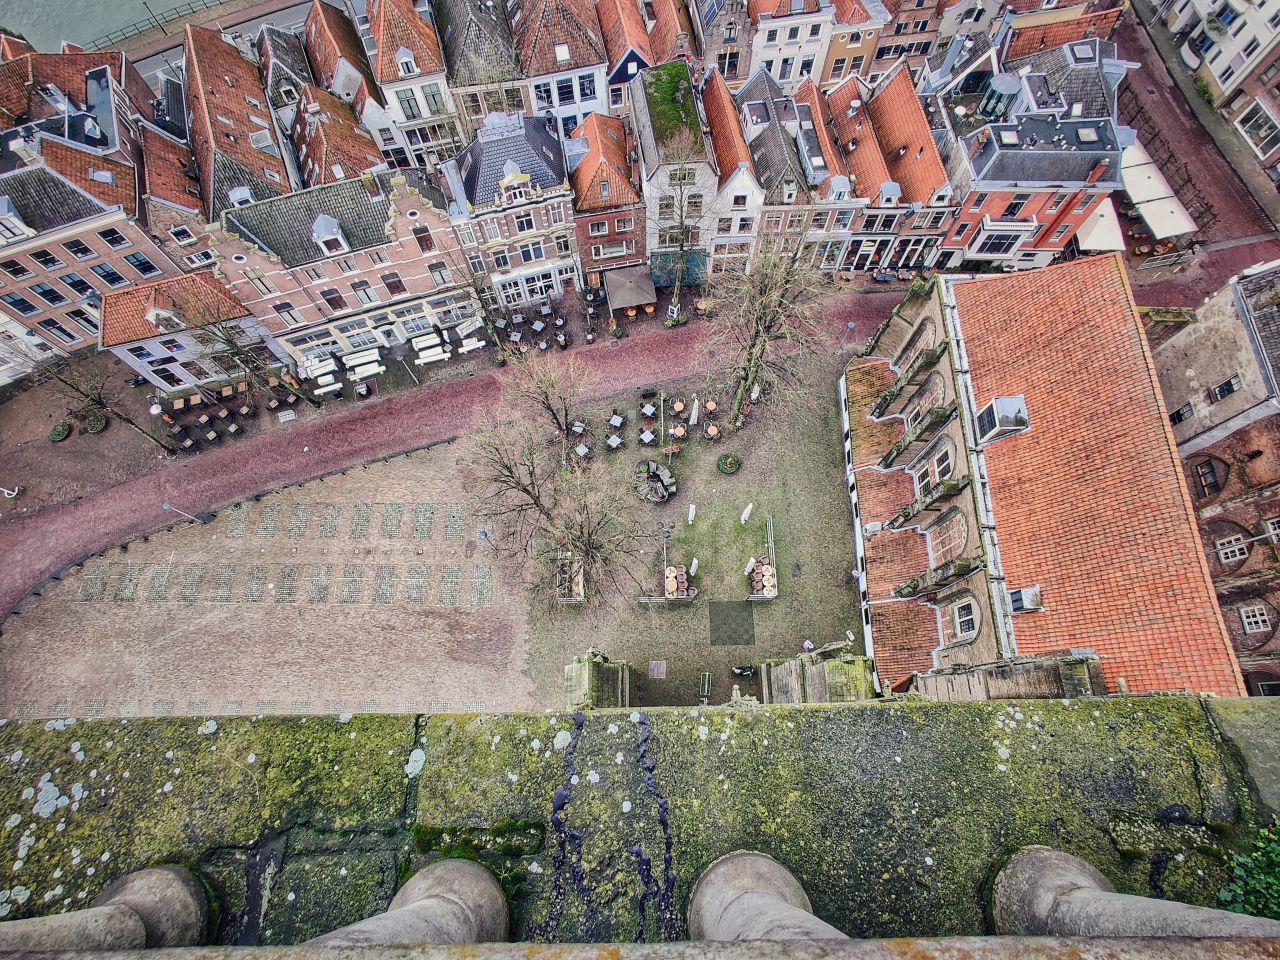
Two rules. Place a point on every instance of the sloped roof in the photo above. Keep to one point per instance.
(195, 299)
(12, 47)
(773, 152)
(117, 188)
(22, 77)
(395, 26)
(808, 93)
(221, 122)
(604, 162)
(327, 134)
(284, 60)
(865, 161)
(905, 138)
(727, 141)
(46, 201)
(507, 139)
(1033, 154)
(665, 115)
(778, 8)
(671, 25)
(1028, 40)
(478, 45)
(361, 207)
(542, 26)
(851, 13)
(1121, 570)
(164, 160)
(1081, 82)
(330, 36)
(623, 31)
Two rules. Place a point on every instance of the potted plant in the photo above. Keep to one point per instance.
(95, 422)
(729, 463)
(61, 430)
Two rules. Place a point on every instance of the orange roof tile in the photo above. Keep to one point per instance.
(1028, 40)
(1090, 502)
(672, 32)
(850, 12)
(21, 77)
(396, 26)
(196, 299)
(163, 162)
(542, 25)
(605, 162)
(623, 30)
(727, 141)
(327, 134)
(808, 93)
(330, 37)
(78, 166)
(905, 137)
(865, 161)
(777, 8)
(12, 47)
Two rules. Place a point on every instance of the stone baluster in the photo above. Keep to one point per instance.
(750, 896)
(452, 901)
(157, 907)
(1044, 892)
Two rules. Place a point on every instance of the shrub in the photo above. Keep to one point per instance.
(1254, 887)
(729, 463)
(96, 422)
(61, 430)
(1203, 88)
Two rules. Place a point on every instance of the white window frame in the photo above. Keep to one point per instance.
(1230, 549)
(1255, 619)
(957, 618)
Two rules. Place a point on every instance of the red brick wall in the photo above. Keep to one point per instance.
(1038, 207)
(582, 230)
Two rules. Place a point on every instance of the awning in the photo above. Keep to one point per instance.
(1151, 194)
(1101, 231)
(629, 287)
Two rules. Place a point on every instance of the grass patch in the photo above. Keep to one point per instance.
(669, 96)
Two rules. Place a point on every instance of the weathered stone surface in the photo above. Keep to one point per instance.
(170, 901)
(1253, 728)
(746, 895)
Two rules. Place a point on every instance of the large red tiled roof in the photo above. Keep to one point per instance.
(905, 138)
(1028, 40)
(542, 25)
(671, 26)
(12, 47)
(331, 136)
(395, 26)
(605, 162)
(850, 12)
(623, 30)
(21, 77)
(865, 161)
(163, 162)
(1090, 502)
(330, 37)
(727, 141)
(776, 8)
(116, 181)
(196, 299)
(809, 94)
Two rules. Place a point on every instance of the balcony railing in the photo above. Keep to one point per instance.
(931, 501)
(920, 433)
(938, 577)
(915, 374)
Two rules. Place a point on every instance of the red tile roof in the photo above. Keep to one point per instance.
(542, 25)
(623, 30)
(672, 32)
(727, 141)
(808, 93)
(326, 134)
(79, 166)
(396, 26)
(776, 8)
(605, 162)
(221, 120)
(12, 47)
(329, 38)
(196, 299)
(905, 137)
(1090, 502)
(163, 162)
(20, 77)
(851, 12)
(865, 162)
(1028, 40)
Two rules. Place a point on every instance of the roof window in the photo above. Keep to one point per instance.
(1002, 417)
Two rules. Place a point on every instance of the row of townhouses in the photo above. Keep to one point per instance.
(392, 167)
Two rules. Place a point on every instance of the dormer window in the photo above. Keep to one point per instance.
(1002, 417)
(788, 193)
(562, 53)
(327, 232)
(12, 229)
(288, 93)
(240, 196)
(604, 189)
(165, 321)
(408, 66)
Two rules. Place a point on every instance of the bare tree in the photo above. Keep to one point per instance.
(683, 220)
(79, 381)
(542, 511)
(763, 322)
(241, 353)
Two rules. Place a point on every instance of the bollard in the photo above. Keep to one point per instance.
(452, 901)
(1044, 892)
(750, 896)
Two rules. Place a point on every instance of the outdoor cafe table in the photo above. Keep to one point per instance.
(614, 441)
(582, 449)
(538, 326)
(543, 344)
(515, 336)
(544, 310)
(646, 437)
(678, 431)
(616, 421)
(678, 407)
(648, 410)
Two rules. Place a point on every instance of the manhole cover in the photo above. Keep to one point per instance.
(732, 623)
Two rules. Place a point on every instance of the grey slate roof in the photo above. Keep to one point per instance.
(45, 201)
(773, 152)
(477, 43)
(283, 223)
(1046, 152)
(288, 59)
(1262, 294)
(972, 46)
(504, 139)
(1084, 83)
(226, 174)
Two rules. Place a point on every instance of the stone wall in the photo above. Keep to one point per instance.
(894, 816)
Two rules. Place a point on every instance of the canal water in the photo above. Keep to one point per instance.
(48, 22)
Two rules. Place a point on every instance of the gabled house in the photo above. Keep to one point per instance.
(733, 218)
(791, 39)
(512, 207)
(626, 41)
(485, 75)
(359, 265)
(1078, 80)
(982, 570)
(608, 209)
(330, 143)
(722, 36)
(562, 52)
(282, 59)
(233, 137)
(671, 33)
(853, 40)
(156, 328)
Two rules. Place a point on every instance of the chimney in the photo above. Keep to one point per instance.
(1099, 169)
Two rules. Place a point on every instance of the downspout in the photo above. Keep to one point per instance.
(859, 547)
(1003, 614)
